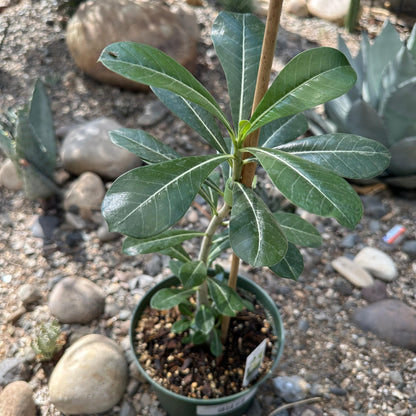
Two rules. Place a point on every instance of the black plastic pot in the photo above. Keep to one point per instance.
(233, 405)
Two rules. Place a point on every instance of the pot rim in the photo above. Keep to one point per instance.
(277, 324)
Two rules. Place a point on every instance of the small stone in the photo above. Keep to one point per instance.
(88, 148)
(331, 10)
(395, 377)
(127, 409)
(306, 410)
(91, 376)
(87, 192)
(298, 8)
(375, 292)
(153, 113)
(9, 177)
(16, 399)
(409, 247)
(13, 369)
(377, 263)
(303, 325)
(76, 300)
(391, 320)
(16, 314)
(154, 265)
(44, 226)
(373, 206)
(352, 271)
(28, 294)
(291, 388)
(361, 341)
(343, 287)
(350, 240)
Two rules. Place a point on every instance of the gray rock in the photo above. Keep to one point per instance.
(391, 320)
(153, 113)
(352, 271)
(13, 369)
(88, 148)
(343, 287)
(373, 206)
(44, 226)
(98, 23)
(28, 294)
(376, 262)
(76, 300)
(375, 292)
(306, 410)
(91, 376)
(350, 240)
(395, 377)
(105, 235)
(85, 193)
(9, 176)
(291, 388)
(331, 10)
(16, 400)
(409, 247)
(127, 409)
(154, 265)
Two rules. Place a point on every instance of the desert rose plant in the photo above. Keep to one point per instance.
(146, 203)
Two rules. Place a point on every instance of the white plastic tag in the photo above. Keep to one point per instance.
(254, 362)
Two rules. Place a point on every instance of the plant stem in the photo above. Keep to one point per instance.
(263, 77)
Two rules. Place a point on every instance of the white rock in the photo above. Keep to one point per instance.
(29, 293)
(352, 271)
(88, 148)
(76, 300)
(91, 376)
(297, 7)
(85, 193)
(376, 262)
(16, 400)
(331, 10)
(9, 177)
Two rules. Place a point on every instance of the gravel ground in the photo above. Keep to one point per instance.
(354, 373)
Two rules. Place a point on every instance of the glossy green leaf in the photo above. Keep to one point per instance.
(175, 266)
(220, 243)
(177, 252)
(186, 309)
(291, 266)
(310, 186)
(313, 77)
(170, 238)
(148, 200)
(347, 155)
(215, 344)
(297, 230)
(143, 145)
(204, 319)
(150, 66)
(168, 298)
(238, 40)
(283, 130)
(255, 234)
(194, 116)
(180, 326)
(226, 300)
(192, 273)
(198, 338)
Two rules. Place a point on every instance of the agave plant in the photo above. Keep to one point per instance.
(382, 104)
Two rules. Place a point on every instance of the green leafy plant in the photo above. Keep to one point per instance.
(27, 138)
(146, 203)
(49, 340)
(382, 104)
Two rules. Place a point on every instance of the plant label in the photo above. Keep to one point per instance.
(254, 362)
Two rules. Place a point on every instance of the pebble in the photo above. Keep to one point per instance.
(127, 409)
(306, 410)
(9, 177)
(16, 399)
(44, 226)
(350, 240)
(28, 294)
(331, 10)
(352, 271)
(377, 263)
(153, 112)
(91, 376)
(395, 377)
(13, 369)
(291, 388)
(374, 207)
(409, 247)
(343, 287)
(391, 320)
(375, 292)
(88, 148)
(76, 300)
(154, 265)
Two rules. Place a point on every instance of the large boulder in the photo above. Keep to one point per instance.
(91, 376)
(98, 23)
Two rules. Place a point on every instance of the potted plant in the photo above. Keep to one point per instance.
(192, 310)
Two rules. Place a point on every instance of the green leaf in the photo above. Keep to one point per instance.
(220, 243)
(177, 252)
(291, 266)
(194, 116)
(180, 326)
(357, 64)
(255, 234)
(175, 266)
(310, 186)
(143, 145)
(297, 230)
(226, 300)
(313, 77)
(193, 273)
(283, 130)
(167, 239)
(344, 154)
(238, 40)
(169, 298)
(150, 66)
(198, 337)
(215, 344)
(204, 319)
(148, 200)
(185, 309)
